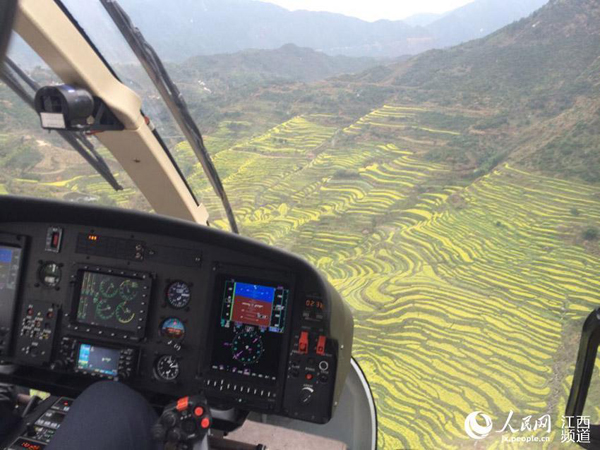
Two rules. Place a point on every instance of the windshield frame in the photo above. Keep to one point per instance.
(171, 97)
(155, 132)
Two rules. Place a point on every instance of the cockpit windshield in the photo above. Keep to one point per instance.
(441, 170)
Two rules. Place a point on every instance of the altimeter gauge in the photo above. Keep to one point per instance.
(167, 368)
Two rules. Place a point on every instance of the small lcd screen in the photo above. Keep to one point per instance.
(110, 301)
(249, 338)
(23, 443)
(102, 360)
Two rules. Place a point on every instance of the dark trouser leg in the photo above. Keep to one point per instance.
(107, 416)
(8, 419)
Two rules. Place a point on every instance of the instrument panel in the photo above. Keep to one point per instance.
(169, 307)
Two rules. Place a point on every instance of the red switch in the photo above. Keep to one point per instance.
(303, 342)
(199, 411)
(182, 403)
(321, 345)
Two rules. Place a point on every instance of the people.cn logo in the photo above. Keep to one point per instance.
(474, 429)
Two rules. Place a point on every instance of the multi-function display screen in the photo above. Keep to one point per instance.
(110, 301)
(250, 332)
(10, 264)
(10, 259)
(101, 360)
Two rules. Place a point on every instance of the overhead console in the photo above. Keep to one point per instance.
(169, 307)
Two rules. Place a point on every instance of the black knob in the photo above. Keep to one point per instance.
(159, 432)
(169, 419)
(306, 395)
(59, 364)
(30, 430)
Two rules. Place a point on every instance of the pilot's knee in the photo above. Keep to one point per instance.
(110, 391)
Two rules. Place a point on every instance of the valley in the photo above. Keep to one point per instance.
(467, 294)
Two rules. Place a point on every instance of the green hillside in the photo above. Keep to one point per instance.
(288, 63)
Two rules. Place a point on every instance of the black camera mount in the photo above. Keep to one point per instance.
(71, 108)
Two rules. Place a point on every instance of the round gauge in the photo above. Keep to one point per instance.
(167, 368)
(247, 347)
(172, 328)
(129, 290)
(124, 313)
(178, 294)
(50, 274)
(104, 310)
(108, 288)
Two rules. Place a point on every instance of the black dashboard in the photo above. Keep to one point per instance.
(168, 307)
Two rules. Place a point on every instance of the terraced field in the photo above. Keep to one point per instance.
(87, 188)
(467, 295)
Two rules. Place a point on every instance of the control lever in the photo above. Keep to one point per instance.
(32, 402)
(184, 424)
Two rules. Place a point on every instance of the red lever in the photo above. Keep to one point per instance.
(303, 343)
(321, 345)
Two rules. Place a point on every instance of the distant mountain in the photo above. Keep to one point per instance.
(548, 52)
(536, 81)
(287, 63)
(206, 27)
(202, 27)
(422, 20)
(478, 19)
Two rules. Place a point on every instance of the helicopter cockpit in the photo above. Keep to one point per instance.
(215, 330)
(214, 215)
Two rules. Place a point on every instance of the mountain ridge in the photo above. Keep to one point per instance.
(206, 27)
(253, 67)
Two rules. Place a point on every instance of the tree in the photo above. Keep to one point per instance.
(590, 234)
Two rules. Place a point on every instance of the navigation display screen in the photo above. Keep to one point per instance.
(93, 359)
(110, 301)
(250, 332)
